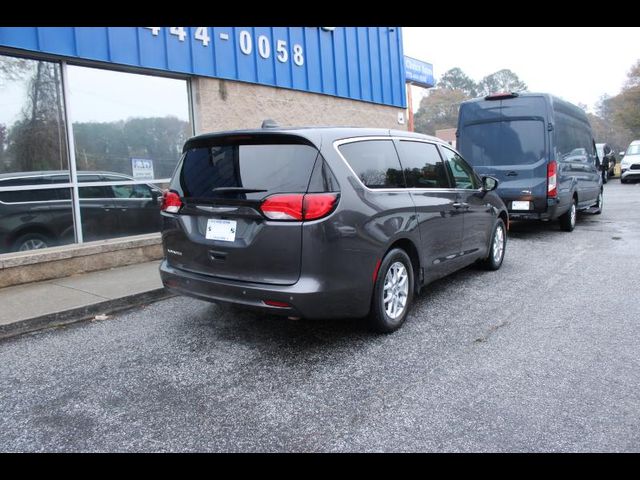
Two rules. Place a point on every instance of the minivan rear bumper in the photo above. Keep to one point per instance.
(309, 298)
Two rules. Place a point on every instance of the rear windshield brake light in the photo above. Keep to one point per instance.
(501, 96)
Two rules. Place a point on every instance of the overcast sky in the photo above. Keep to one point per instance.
(578, 64)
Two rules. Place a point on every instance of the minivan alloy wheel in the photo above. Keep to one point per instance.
(32, 244)
(498, 243)
(396, 290)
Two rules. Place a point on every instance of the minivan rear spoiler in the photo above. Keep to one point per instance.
(501, 95)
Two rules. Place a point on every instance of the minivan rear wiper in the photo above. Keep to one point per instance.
(236, 190)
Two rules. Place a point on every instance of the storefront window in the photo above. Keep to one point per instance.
(128, 132)
(33, 156)
(32, 127)
(128, 123)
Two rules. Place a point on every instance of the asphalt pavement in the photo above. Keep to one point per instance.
(542, 355)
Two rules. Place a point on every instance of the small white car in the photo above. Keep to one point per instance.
(630, 165)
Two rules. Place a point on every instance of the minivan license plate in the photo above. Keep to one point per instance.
(224, 230)
(520, 205)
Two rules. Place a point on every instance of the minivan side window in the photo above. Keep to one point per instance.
(462, 173)
(423, 167)
(375, 162)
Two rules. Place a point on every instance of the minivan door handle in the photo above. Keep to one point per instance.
(460, 205)
(512, 174)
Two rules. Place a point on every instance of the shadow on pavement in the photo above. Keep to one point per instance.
(276, 334)
(531, 229)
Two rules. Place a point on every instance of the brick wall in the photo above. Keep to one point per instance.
(230, 105)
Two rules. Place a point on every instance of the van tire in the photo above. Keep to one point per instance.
(568, 218)
(491, 262)
(599, 204)
(379, 321)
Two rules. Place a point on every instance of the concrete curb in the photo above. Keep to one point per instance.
(80, 314)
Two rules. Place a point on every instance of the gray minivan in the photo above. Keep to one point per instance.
(325, 222)
(540, 148)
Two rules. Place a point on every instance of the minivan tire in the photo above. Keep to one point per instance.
(493, 261)
(379, 319)
(33, 238)
(568, 218)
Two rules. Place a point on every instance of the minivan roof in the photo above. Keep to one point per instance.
(315, 135)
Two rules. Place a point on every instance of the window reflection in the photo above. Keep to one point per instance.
(34, 219)
(110, 211)
(127, 127)
(32, 126)
(128, 123)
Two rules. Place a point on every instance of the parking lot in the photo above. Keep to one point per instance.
(541, 355)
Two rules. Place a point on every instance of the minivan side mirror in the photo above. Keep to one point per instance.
(622, 154)
(489, 183)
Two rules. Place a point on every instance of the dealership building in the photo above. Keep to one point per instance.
(93, 119)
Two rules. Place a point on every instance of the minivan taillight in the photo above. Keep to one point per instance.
(298, 206)
(552, 179)
(171, 202)
(318, 205)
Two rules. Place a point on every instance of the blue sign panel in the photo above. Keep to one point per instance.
(357, 63)
(419, 72)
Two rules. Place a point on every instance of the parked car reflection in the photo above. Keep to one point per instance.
(607, 157)
(33, 219)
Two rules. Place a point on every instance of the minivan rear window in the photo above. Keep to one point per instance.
(254, 171)
(515, 142)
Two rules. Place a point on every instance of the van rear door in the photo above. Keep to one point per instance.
(512, 149)
(220, 229)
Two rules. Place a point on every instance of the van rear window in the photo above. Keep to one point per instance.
(214, 172)
(516, 142)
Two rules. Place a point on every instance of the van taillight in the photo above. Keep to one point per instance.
(552, 179)
(171, 202)
(298, 206)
